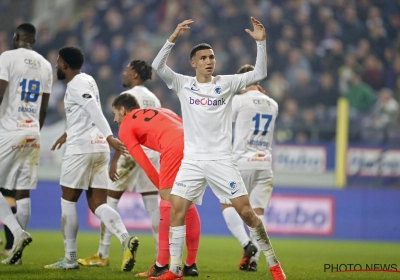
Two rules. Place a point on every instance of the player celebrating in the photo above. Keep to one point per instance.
(25, 85)
(254, 115)
(85, 161)
(206, 103)
(124, 172)
(160, 130)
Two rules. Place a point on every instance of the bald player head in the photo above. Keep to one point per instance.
(24, 36)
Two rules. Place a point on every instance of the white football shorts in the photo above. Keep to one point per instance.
(131, 175)
(82, 171)
(19, 158)
(259, 184)
(222, 176)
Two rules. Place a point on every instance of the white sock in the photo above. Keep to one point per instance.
(263, 240)
(8, 218)
(151, 205)
(112, 220)
(176, 241)
(105, 234)
(23, 212)
(69, 227)
(235, 225)
(254, 240)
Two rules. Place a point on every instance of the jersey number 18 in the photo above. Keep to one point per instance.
(30, 94)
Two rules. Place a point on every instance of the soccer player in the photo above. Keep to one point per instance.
(84, 166)
(124, 172)
(161, 130)
(25, 85)
(254, 115)
(206, 103)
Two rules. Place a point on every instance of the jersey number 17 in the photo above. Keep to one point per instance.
(257, 118)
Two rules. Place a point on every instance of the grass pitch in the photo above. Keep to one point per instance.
(218, 258)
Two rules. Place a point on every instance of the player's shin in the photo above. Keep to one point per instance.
(176, 241)
(151, 205)
(192, 234)
(163, 242)
(262, 238)
(254, 240)
(8, 218)
(24, 212)
(105, 234)
(235, 225)
(69, 227)
(113, 221)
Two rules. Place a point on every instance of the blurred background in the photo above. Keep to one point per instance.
(318, 52)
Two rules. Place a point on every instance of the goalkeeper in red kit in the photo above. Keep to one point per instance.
(161, 130)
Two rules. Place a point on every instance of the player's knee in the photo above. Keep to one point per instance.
(247, 214)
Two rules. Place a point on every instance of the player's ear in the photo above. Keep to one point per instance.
(193, 63)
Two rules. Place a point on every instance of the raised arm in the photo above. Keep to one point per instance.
(260, 68)
(241, 81)
(159, 64)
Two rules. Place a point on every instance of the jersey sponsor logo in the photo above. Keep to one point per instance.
(179, 184)
(258, 143)
(149, 103)
(26, 143)
(99, 140)
(86, 96)
(261, 102)
(259, 158)
(218, 90)
(207, 101)
(27, 123)
(32, 63)
(27, 110)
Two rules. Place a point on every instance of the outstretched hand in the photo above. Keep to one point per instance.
(259, 31)
(180, 30)
(60, 141)
(117, 145)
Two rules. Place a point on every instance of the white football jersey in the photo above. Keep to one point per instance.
(144, 96)
(29, 75)
(207, 107)
(82, 134)
(254, 115)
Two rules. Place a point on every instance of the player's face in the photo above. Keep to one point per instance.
(204, 62)
(59, 67)
(128, 76)
(119, 114)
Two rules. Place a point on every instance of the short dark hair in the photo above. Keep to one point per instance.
(143, 69)
(27, 28)
(199, 47)
(245, 68)
(126, 100)
(73, 56)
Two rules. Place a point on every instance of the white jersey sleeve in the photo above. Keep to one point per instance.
(173, 80)
(254, 129)
(4, 67)
(241, 81)
(236, 103)
(29, 75)
(82, 134)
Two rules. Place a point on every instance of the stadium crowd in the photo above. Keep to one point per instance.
(318, 50)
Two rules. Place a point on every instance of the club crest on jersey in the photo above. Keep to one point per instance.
(86, 96)
(218, 90)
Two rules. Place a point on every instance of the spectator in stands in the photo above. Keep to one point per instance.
(360, 95)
